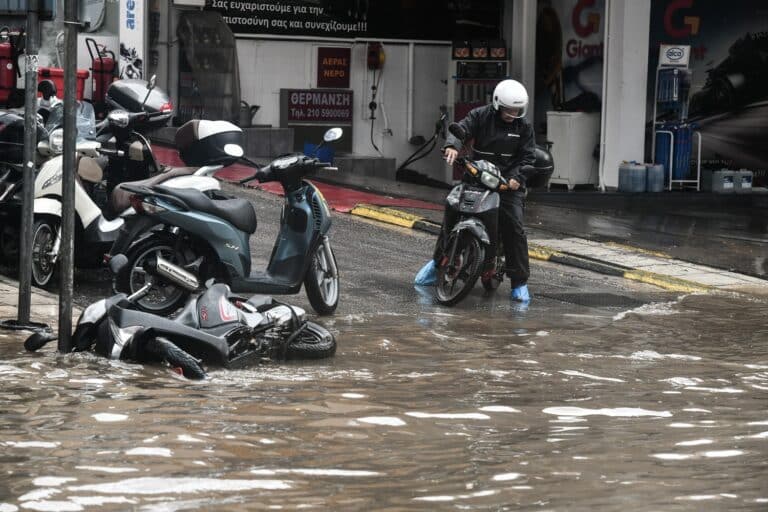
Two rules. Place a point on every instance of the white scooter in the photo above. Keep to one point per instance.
(94, 232)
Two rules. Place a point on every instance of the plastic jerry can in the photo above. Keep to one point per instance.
(743, 181)
(721, 182)
(654, 178)
(632, 177)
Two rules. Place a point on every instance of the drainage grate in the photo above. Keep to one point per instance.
(595, 300)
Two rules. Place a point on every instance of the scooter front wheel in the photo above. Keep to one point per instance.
(321, 282)
(457, 276)
(43, 241)
(314, 342)
(163, 298)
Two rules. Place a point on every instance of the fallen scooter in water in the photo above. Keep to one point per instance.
(215, 328)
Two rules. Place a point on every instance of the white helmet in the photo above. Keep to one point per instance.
(511, 94)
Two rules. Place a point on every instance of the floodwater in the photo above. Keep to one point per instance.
(664, 407)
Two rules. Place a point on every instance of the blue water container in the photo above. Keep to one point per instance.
(632, 176)
(683, 146)
(324, 153)
(654, 178)
(663, 141)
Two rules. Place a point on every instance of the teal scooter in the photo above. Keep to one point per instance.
(203, 238)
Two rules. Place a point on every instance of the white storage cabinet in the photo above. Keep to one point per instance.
(574, 136)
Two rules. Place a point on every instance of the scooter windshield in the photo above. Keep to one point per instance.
(85, 120)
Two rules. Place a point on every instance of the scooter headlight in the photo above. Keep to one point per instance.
(489, 180)
(56, 141)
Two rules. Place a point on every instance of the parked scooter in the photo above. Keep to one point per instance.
(96, 231)
(473, 206)
(209, 238)
(215, 328)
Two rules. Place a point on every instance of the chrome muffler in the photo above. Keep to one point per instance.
(172, 273)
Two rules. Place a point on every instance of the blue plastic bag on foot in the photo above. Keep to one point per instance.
(427, 276)
(521, 294)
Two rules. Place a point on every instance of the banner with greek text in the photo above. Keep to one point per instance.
(422, 20)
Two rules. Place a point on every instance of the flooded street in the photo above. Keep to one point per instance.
(661, 407)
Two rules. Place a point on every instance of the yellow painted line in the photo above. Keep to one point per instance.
(388, 215)
(637, 249)
(668, 283)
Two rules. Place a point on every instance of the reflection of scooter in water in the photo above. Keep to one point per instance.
(738, 80)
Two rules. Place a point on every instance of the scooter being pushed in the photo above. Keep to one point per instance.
(473, 208)
(209, 238)
(216, 328)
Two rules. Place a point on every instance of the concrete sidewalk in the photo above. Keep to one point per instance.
(44, 305)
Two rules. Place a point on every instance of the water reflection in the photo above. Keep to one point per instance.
(662, 407)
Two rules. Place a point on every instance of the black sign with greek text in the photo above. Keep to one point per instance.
(440, 20)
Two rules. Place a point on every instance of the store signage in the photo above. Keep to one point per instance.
(132, 48)
(19, 8)
(443, 20)
(674, 55)
(333, 67)
(319, 106)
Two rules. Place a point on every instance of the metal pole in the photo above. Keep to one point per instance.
(30, 149)
(66, 255)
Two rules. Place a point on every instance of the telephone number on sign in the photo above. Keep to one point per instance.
(327, 113)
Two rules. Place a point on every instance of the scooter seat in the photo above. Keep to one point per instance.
(121, 198)
(238, 212)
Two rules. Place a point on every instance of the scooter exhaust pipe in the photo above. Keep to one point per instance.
(174, 274)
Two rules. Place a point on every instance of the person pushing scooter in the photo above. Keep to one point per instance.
(504, 137)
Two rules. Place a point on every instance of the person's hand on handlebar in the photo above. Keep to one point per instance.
(513, 184)
(450, 155)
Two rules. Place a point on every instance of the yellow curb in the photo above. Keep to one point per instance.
(668, 283)
(637, 249)
(539, 252)
(387, 215)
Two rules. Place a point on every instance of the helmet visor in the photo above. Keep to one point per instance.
(509, 113)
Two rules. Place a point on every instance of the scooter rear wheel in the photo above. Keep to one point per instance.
(167, 351)
(322, 287)
(456, 278)
(163, 299)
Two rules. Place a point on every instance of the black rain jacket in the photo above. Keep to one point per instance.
(508, 145)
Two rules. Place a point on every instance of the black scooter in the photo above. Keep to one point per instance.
(208, 238)
(215, 328)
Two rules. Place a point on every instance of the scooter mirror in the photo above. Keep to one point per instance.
(119, 118)
(333, 134)
(117, 263)
(150, 86)
(457, 131)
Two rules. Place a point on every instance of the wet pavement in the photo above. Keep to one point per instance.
(603, 393)
(558, 407)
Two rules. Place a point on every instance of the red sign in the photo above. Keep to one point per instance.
(320, 105)
(333, 67)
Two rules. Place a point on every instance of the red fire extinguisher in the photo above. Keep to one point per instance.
(104, 69)
(8, 69)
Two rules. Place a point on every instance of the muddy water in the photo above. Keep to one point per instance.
(661, 408)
